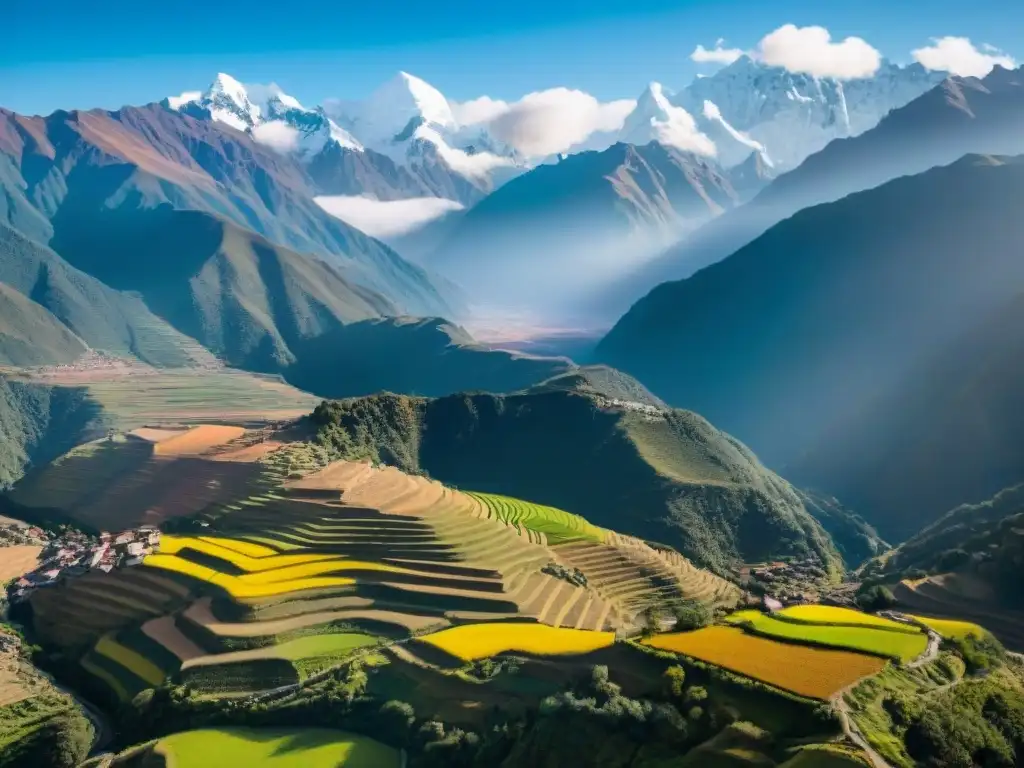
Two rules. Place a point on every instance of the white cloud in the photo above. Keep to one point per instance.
(277, 135)
(554, 120)
(958, 56)
(387, 218)
(177, 102)
(476, 111)
(811, 51)
(716, 55)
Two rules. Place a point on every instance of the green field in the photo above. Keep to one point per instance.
(276, 748)
(879, 641)
(556, 524)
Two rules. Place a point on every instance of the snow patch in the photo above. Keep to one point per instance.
(712, 112)
(387, 218)
(657, 119)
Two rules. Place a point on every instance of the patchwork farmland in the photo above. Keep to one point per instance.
(291, 568)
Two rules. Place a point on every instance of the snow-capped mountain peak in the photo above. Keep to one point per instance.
(269, 114)
(400, 101)
(228, 102)
(655, 118)
(791, 116)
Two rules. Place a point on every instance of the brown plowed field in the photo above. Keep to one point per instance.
(165, 631)
(152, 435)
(17, 560)
(199, 613)
(338, 476)
(197, 440)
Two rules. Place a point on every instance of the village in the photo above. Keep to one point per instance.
(70, 554)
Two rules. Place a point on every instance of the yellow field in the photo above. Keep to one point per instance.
(813, 672)
(239, 545)
(235, 585)
(109, 679)
(479, 641)
(831, 614)
(230, 552)
(131, 660)
(950, 628)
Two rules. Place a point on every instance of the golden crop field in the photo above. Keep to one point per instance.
(241, 546)
(831, 614)
(130, 660)
(950, 628)
(235, 585)
(875, 639)
(817, 673)
(170, 545)
(479, 641)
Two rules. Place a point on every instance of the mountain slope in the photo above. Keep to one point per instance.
(39, 423)
(960, 116)
(244, 298)
(53, 312)
(948, 433)
(423, 356)
(832, 308)
(668, 476)
(74, 166)
(556, 234)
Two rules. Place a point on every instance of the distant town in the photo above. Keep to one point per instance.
(70, 554)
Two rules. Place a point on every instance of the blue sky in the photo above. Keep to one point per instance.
(70, 54)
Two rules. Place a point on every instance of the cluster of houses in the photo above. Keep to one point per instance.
(780, 584)
(72, 554)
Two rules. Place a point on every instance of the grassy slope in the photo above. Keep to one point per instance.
(671, 478)
(858, 310)
(992, 530)
(428, 357)
(100, 317)
(248, 300)
(39, 423)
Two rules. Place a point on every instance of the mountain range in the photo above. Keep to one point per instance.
(824, 316)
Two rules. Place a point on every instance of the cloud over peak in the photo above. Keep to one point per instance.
(716, 55)
(958, 56)
(811, 51)
(545, 122)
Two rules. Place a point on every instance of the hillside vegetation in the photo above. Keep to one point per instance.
(52, 312)
(39, 423)
(855, 316)
(422, 356)
(243, 297)
(666, 476)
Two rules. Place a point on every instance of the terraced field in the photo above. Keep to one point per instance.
(953, 596)
(116, 484)
(266, 748)
(557, 525)
(289, 571)
(899, 641)
(480, 641)
(816, 673)
(949, 628)
(135, 396)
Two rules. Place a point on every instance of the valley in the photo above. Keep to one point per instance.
(367, 420)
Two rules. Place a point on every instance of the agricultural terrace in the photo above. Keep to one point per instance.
(184, 396)
(835, 615)
(816, 673)
(952, 629)
(275, 748)
(480, 641)
(309, 654)
(557, 525)
(875, 639)
(118, 484)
